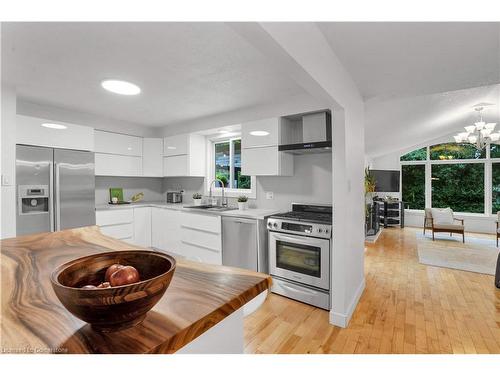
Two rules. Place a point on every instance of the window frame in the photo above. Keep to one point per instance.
(487, 161)
(217, 190)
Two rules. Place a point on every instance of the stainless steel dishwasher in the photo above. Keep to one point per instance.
(244, 243)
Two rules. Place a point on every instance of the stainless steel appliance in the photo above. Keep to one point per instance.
(299, 253)
(174, 197)
(244, 243)
(307, 133)
(55, 189)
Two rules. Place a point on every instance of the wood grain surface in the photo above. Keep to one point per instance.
(34, 321)
(407, 307)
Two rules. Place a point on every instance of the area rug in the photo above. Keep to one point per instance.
(476, 255)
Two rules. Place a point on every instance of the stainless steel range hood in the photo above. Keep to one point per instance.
(307, 133)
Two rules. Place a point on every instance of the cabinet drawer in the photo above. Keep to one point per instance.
(120, 231)
(176, 145)
(120, 144)
(206, 240)
(112, 217)
(207, 223)
(200, 254)
(117, 165)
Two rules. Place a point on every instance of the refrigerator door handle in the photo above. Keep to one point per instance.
(51, 196)
(58, 199)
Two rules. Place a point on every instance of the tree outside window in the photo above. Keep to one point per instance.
(227, 163)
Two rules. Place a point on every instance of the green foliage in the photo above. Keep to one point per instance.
(451, 151)
(242, 198)
(244, 182)
(197, 196)
(224, 177)
(413, 186)
(420, 154)
(494, 151)
(459, 186)
(369, 181)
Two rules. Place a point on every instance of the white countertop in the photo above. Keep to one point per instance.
(251, 213)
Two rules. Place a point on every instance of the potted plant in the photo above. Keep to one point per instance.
(242, 202)
(197, 199)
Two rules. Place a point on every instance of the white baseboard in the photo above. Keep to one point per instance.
(374, 238)
(342, 319)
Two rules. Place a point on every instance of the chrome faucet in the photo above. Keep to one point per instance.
(223, 203)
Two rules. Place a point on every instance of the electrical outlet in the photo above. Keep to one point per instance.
(269, 195)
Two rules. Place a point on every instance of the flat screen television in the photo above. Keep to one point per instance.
(385, 180)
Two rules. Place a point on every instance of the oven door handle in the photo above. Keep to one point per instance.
(293, 239)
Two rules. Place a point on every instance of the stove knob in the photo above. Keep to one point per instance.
(275, 225)
(326, 231)
(320, 230)
(269, 225)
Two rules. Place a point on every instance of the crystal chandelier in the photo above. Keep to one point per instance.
(480, 134)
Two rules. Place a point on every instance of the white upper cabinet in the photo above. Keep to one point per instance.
(176, 145)
(118, 165)
(117, 144)
(29, 131)
(260, 133)
(118, 154)
(259, 155)
(184, 155)
(152, 158)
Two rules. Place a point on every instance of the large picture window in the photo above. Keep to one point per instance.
(413, 186)
(495, 188)
(227, 165)
(459, 186)
(452, 175)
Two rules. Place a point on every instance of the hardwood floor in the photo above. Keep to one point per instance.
(406, 307)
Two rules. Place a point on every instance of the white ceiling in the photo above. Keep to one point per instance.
(399, 123)
(397, 59)
(185, 70)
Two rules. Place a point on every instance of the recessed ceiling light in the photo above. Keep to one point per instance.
(259, 133)
(121, 87)
(54, 126)
(223, 131)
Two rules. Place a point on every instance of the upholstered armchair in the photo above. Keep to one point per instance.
(443, 220)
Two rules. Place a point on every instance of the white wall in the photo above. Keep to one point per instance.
(311, 183)
(280, 107)
(413, 218)
(73, 116)
(150, 186)
(327, 78)
(8, 162)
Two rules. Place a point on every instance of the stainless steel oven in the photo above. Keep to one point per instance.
(302, 259)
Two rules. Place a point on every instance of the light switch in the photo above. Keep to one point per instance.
(5, 180)
(269, 195)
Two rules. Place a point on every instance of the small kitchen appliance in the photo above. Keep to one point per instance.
(300, 243)
(174, 197)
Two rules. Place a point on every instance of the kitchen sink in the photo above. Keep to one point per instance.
(209, 207)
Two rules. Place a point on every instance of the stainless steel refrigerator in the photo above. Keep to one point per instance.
(55, 189)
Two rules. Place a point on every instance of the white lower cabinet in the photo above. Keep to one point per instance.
(132, 225)
(118, 224)
(201, 238)
(191, 235)
(142, 226)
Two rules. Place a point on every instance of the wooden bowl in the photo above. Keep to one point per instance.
(113, 308)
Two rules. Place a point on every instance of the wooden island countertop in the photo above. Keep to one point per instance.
(33, 320)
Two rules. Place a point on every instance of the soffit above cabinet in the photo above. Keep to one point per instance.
(29, 131)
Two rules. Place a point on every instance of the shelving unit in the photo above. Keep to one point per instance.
(391, 213)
